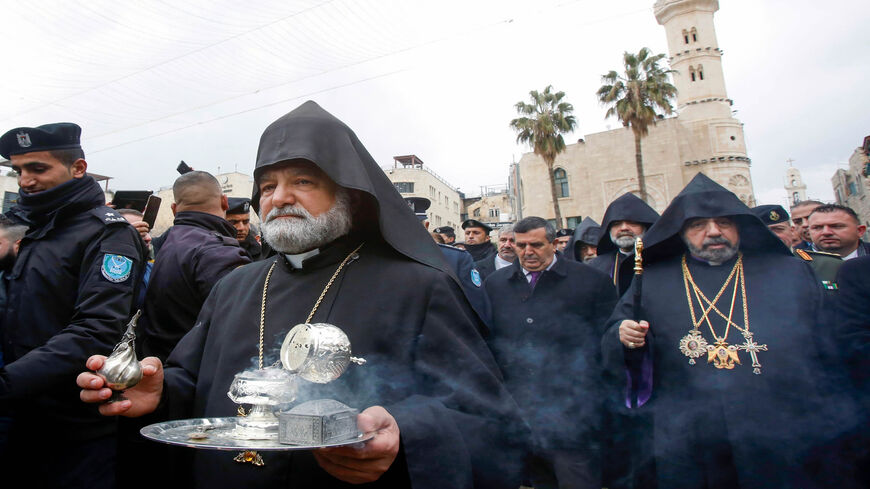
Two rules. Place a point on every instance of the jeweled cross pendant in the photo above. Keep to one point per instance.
(752, 347)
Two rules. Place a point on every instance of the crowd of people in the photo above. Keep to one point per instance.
(728, 353)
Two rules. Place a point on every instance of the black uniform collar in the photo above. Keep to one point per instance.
(42, 210)
(206, 221)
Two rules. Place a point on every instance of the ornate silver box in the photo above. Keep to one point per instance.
(317, 422)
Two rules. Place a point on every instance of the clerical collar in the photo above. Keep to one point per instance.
(626, 253)
(296, 260)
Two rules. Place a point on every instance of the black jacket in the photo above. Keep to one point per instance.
(201, 249)
(547, 342)
(252, 247)
(70, 295)
(471, 281)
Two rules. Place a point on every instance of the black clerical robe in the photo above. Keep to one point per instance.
(618, 266)
(427, 365)
(733, 428)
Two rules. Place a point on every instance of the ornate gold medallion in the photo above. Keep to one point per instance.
(722, 355)
(693, 345)
(251, 457)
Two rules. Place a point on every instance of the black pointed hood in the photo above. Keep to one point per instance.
(628, 207)
(588, 232)
(703, 197)
(313, 134)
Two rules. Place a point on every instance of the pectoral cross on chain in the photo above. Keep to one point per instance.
(752, 347)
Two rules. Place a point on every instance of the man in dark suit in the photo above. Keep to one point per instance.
(505, 256)
(548, 318)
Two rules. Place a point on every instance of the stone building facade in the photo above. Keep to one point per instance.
(852, 185)
(413, 179)
(702, 137)
(493, 207)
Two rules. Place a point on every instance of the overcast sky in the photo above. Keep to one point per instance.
(155, 82)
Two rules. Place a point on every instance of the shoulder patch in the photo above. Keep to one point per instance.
(803, 255)
(116, 268)
(475, 277)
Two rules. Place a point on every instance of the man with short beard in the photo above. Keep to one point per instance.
(506, 255)
(625, 220)
(350, 253)
(733, 369)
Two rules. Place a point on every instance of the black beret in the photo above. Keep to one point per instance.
(50, 137)
(770, 214)
(239, 205)
(473, 223)
(449, 231)
(564, 232)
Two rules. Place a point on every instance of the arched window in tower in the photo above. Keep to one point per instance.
(795, 198)
(561, 178)
(692, 72)
(700, 72)
(686, 36)
(694, 35)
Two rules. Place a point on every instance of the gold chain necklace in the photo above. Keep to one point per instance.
(722, 355)
(251, 456)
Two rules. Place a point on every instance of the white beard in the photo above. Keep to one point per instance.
(306, 232)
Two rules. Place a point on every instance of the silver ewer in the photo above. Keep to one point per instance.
(121, 370)
(318, 352)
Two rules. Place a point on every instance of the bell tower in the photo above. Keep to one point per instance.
(794, 186)
(712, 139)
(695, 56)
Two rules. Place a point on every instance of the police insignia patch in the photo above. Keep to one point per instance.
(116, 268)
(475, 277)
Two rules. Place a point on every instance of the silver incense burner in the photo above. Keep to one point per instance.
(318, 352)
(121, 370)
(263, 389)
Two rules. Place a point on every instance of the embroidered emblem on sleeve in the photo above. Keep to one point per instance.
(116, 268)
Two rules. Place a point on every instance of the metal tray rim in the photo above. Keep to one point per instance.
(159, 432)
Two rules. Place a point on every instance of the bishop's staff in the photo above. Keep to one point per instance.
(638, 278)
(636, 306)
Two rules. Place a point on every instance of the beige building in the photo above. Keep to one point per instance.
(233, 184)
(703, 137)
(492, 207)
(413, 179)
(852, 185)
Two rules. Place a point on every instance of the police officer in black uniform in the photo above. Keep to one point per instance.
(825, 265)
(70, 295)
(460, 262)
(201, 249)
(239, 215)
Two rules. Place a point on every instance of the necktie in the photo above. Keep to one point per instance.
(534, 278)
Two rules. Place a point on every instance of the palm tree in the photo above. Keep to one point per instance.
(634, 96)
(542, 123)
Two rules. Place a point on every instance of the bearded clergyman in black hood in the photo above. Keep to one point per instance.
(430, 390)
(736, 371)
(626, 219)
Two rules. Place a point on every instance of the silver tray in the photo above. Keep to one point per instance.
(219, 431)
